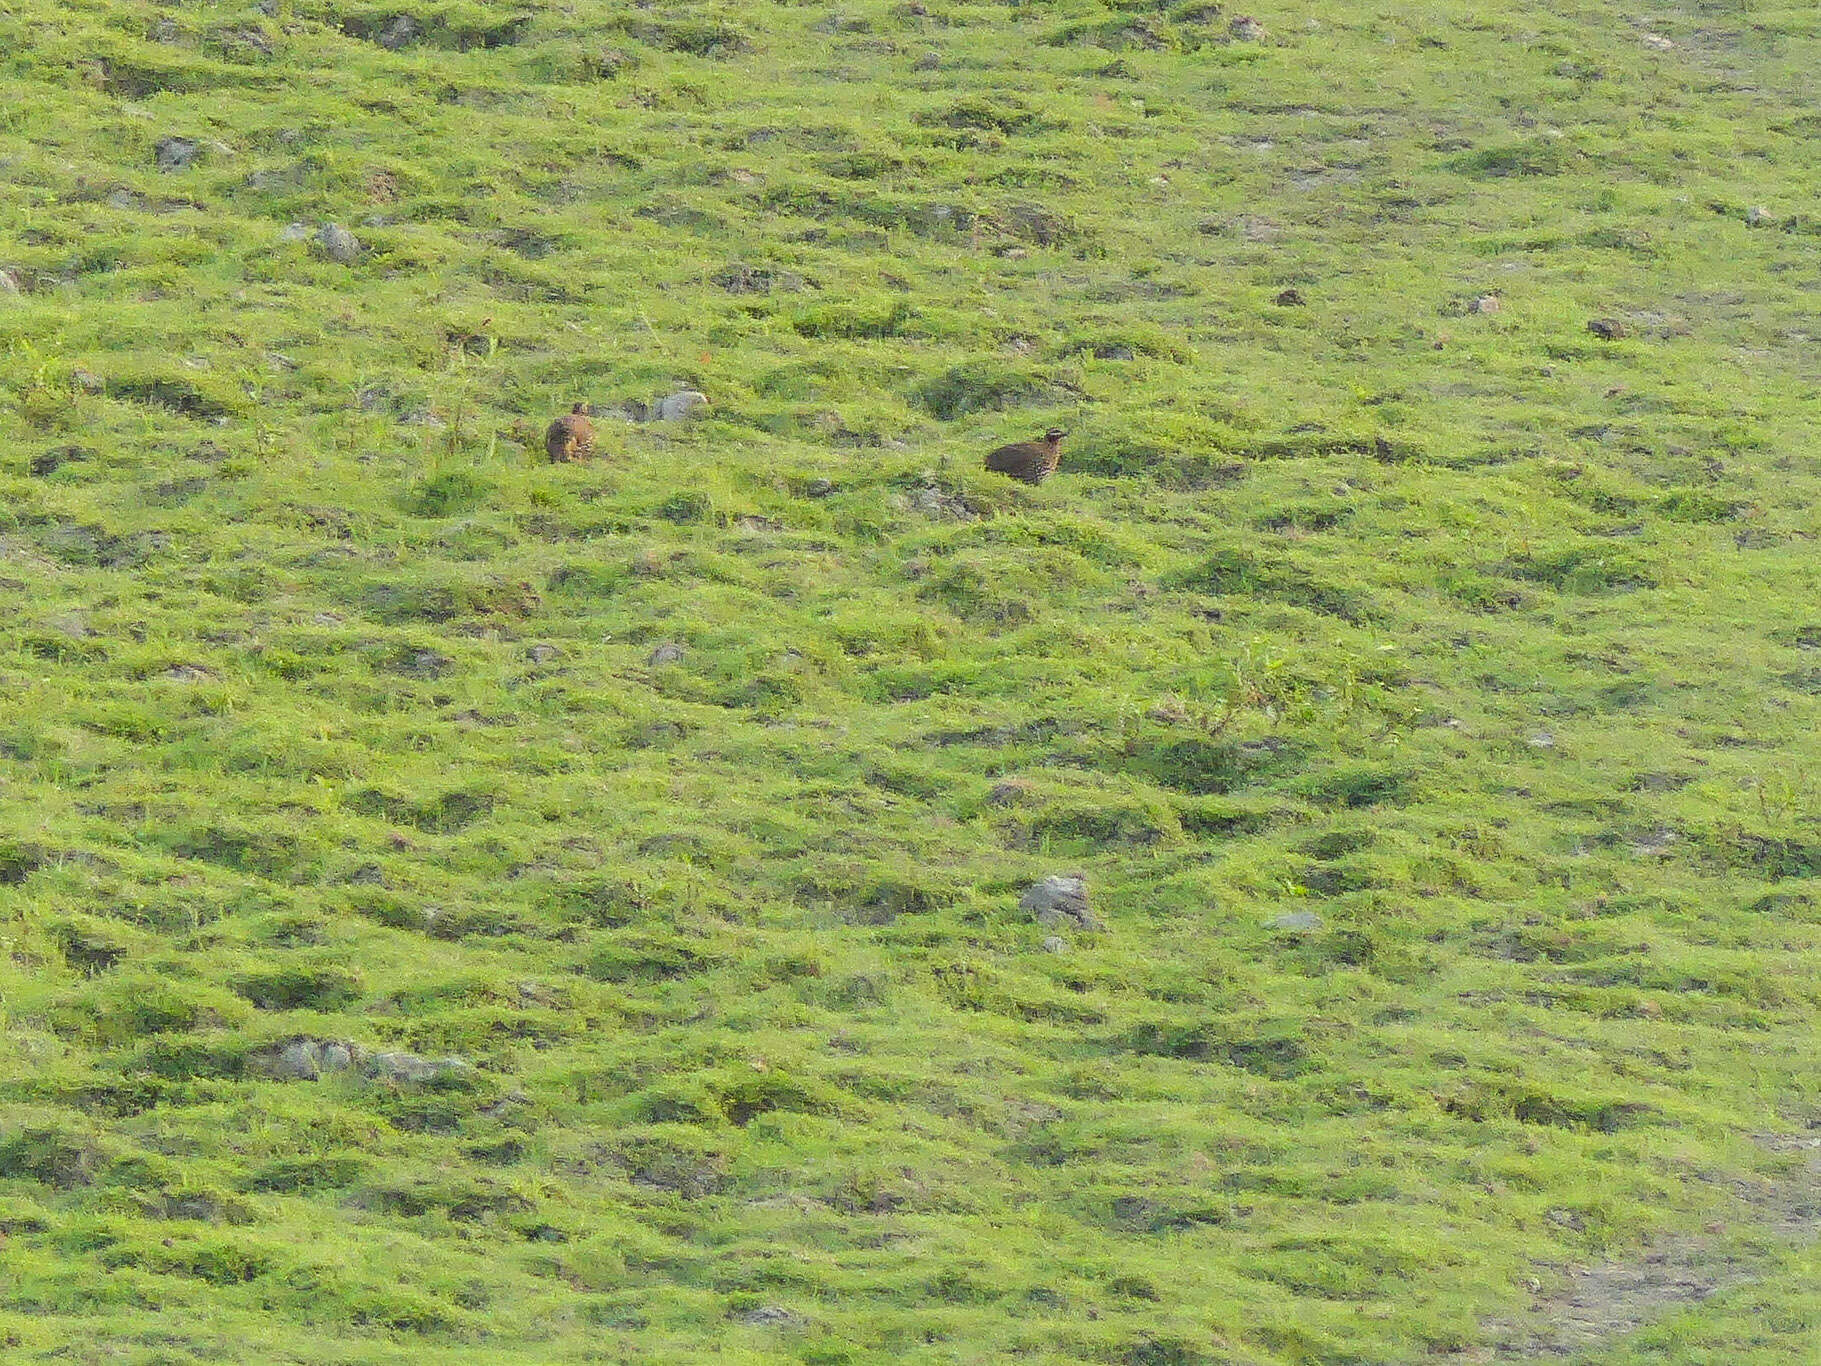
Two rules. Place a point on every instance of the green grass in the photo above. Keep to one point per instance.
(334, 713)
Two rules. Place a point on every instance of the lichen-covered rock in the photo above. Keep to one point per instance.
(338, 244)
(1061, 899)
(401, 31)
(176, 154)
(409, 1069)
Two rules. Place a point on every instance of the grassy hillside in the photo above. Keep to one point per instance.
(463, 909)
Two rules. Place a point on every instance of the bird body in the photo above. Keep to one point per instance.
(571, 436)
(1029, 461)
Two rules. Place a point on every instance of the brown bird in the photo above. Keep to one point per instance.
(1031, 461)
(571, 436)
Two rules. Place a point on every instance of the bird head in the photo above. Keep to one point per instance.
(1054, 434)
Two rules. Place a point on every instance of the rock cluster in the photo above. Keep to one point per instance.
(304, 1059)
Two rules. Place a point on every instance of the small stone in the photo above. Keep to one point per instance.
(1290, 298)
(338, 244)
(1486, 303)
(1116, 351)
(680, 405)
(1009, 792)
(1055, 943)
(543, 654)
(818, 488)
(1060, 899)
(1757, 216)
(1246, 29)
(402, 31)
(667, 653)
(9, 282)
(1540, 739)
(294, 232)
(1657, 42)
(929, 61)
(1297, 922)
(87, 381)
(335, 1058)
(1607, 329)
(176, 154)
(768, 1316)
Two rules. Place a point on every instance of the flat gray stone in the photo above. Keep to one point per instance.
(668, 653)
(1295, 921)
(409, 1069)
(1055, 943)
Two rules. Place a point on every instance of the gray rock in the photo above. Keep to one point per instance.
(1486, 303)
(1247, 29)
(1540, 739)
(667, 653)
(338, 244)
(929, 61)
(402, 31)
(1055, 943)
(276, 178)
(87, 380)
(426, 664)
(409, 1069)
(294, 232)
(298, 1061)
(1757, 216)
(680, 405)
(9, 282)
(1298, 922)
(1061, 899)
(543, 654)
(176, 154)
(335, 1057)
(768, 1316)
(818, 488)
(1009, 792)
